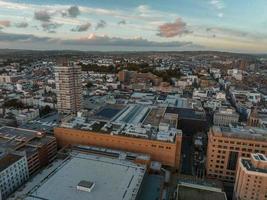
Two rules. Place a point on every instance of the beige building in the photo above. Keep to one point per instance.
(227, 144)
(251, 178)
(69, 87)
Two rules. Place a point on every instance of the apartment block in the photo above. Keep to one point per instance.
(69, 87)
(40, 149)
(13, 172)
(251, 178)
(227, 144)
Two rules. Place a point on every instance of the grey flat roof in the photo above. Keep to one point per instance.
(190, 193)
(250, 167)
(252, 133)
(114, 179)
(8, 131)
(8, 159)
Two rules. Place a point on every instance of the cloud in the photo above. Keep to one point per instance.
(143, 8)
(82, 28)
(92, 42)
(28, 38)
(218, 4)
(227, 32)
(173, 29)
(36, 27)
(72, 11)
(50, 27)
(220, 15)
(122, 22)
(5, 23)
(240, 35)
(21, 25)
(95, 40)
(101, 24)
(42, 15)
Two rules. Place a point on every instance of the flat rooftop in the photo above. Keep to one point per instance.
(108, 112)
(133, 120)
(114, 179)
(187, 113)
(249, 133)
(8, 159)
(251, 167)
(46, 123)
(189, 192)
(154, 116)
(22, 134)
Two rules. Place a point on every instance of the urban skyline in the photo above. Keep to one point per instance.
(133, 100)
(223, 25)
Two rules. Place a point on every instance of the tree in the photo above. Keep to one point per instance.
(89, 84)
(13, 103)
(45, 110)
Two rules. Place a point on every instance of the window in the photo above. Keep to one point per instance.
(233, 156)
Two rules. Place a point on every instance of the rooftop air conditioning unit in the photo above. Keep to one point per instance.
(85, 186)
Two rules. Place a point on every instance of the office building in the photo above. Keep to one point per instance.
(13, 172)
(251, 178)
(68, 86)
(40, 149)
(227, 144)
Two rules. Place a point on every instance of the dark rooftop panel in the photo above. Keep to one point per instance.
(7, 160)
(189, 193)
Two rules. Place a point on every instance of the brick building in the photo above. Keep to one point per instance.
(227, 144)
(251, 178)
(168, 153)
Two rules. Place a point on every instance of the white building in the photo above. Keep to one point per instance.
(13, 173)
(25, 115)
(224, 117)
(200, 94)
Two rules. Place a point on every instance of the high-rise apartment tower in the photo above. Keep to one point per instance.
(69, 87)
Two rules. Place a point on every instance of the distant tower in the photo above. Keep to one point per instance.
(68, 86)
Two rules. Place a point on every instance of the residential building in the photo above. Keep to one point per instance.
(8, 78)
(68, 87)
(13, 172)
(40, 149)
(251, 178)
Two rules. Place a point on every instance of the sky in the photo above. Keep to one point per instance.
(134, 25)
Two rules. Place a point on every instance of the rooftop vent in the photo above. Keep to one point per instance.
(85, 186)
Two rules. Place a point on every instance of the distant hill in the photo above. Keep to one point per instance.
(21, 52)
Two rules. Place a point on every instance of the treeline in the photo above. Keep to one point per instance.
(100, 69)
(166, 75)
